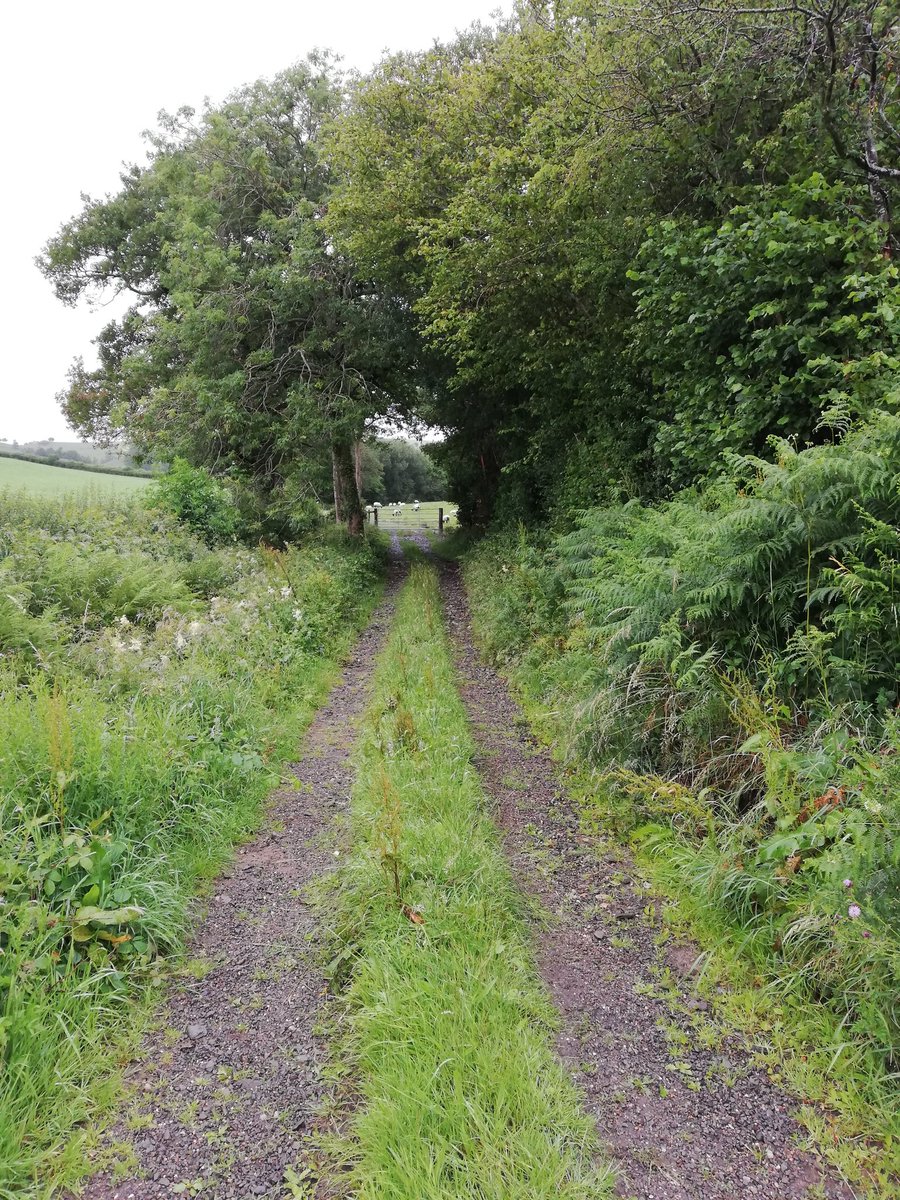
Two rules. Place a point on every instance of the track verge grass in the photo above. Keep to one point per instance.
(446, 1028)
(150, 691)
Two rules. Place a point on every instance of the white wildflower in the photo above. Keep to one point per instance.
(285, 591)
(180, 640)
(123, 621)
(135, 644)
(298, 614)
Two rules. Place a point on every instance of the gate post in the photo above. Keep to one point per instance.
(440, 520)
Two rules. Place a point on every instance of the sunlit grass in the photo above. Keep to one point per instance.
(41, 479)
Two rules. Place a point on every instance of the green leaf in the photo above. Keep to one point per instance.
(107, 916)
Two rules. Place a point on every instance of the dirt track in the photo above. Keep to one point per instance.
(231, 1082)
(684, 1119)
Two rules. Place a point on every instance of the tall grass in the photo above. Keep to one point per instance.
(149, 690)
(720, 673)
(447, 1029)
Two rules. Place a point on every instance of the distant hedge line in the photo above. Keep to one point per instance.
(48, 461)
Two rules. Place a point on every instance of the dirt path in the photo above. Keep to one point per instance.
(684, 1113)
(231, 1080)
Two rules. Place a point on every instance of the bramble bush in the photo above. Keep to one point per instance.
(780, 315)
(203, 503)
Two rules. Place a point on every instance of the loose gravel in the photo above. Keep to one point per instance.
(231, 1081)
(685, 1113)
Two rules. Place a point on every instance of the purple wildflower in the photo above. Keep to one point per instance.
(848, 883)
(854, 911)
(867, 933)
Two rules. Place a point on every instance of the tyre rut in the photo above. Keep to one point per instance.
(230, 1081)
(685, 1117)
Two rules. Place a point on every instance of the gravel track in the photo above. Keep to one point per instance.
(685, 1114)
(230, 1081)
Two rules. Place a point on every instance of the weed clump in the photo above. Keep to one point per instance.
(149, 689)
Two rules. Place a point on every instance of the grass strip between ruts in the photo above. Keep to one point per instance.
(446, 1028)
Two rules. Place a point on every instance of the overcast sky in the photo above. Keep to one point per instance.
(80, 81)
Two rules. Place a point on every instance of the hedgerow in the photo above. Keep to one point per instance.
(149, 690)
(721, 668)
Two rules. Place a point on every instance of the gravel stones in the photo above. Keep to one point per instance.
(682, 1109)
(232, 1077)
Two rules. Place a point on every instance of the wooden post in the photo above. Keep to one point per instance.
(440, 520)
(375, 511)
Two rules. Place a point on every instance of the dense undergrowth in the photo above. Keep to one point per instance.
(720, 672)
(447, 1029)
(149, 689)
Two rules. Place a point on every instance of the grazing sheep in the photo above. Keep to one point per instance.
(415, 506)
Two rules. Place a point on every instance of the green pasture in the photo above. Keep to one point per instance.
(18, 475)
(425, 518)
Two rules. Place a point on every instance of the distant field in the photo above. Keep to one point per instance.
(425, 518)
(62, 481)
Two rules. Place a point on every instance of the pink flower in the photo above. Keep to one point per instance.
(854, 911)
(848, 883)
(867, 933)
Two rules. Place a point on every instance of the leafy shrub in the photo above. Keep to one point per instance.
(722, 669)
(759, 325)
(192, 495)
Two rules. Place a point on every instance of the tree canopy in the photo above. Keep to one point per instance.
(599, 245)
(251, 346)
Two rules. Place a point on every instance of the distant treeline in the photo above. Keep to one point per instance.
(55, 460)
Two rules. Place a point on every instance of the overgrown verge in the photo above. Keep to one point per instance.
(446, 1028)
(719, 673)
(150, 687)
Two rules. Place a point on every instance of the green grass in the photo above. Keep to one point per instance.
(425, 518)
(447, 1030)
(758, 881)
(41, 480)
(150, 689)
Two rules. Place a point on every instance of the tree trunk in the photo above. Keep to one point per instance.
(357, 468)
(336, 481)
(348, 506)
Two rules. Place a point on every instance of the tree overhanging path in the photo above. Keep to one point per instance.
(230, 1084)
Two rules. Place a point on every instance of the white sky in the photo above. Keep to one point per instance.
(78, 84)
